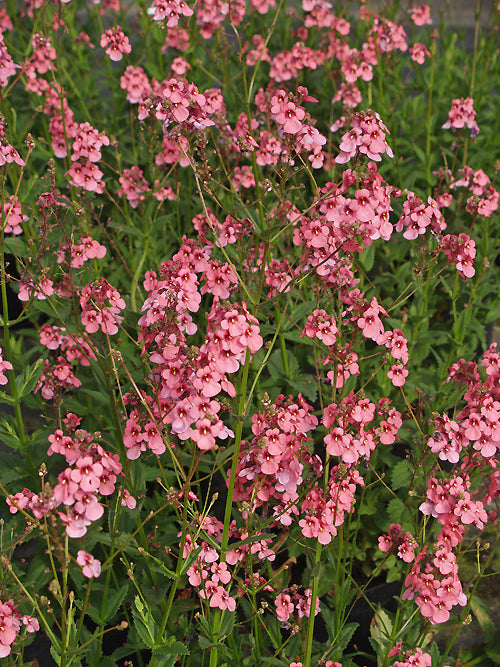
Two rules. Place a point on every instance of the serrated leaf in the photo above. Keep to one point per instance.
(113, 603)
(55, 655)
(171, 646)
(6, 398)
(167, 660)
(205, 643)
(345, 635)
(381, 628)
(401, 474)
(142, 631)
(227, 624)
(144, 623)
(9, 436)
(27, 382)
(305, 385)
(481, 612)
(396, 511)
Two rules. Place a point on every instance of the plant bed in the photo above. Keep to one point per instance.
(248, 266)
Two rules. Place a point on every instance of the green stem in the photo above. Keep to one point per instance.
(314, 597)
(48, 629)
(238, 432)
(6, 327)
(428, 123)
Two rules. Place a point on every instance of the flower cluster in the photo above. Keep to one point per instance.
(86, 152)
(115, 43)
(367, 137)
(7, 65)
(101, 304)
(212, 577)
(135, 81)
(169, 11)
(462, 115)
(478, 423)
(484, 199)
(41, 62)
(461, 250)
(324, 511)
(419, 52)
(133, 185)
(176, 101)
(13, 216)
(270, 465)
(417, 217)
(41, 290)
(420, 15)
(79, 253)
(402, 544)
(189, 379)
(11, 622)
(92, 472)
(56, 378)
(415, 658)
(4, 366)
(291, 601)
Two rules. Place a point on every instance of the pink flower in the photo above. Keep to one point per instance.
(419, 52)
(9, 626)
(4, 366)
(116, 43)
(462, 115)
(91, 567)
(284, 606)
(397, 374)
(420, 15)
(128, 500)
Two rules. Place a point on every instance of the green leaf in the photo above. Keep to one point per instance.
(55, 655)
(481, 612)
(397, 512)
(144, 623)
(381, 628)
(305, 385)
(393, 566)
(170, 646)
(345, 636)
(27, 382)
(9, 436)
(143, 633)
(227, 624)
(167, 660)
(6, 398)
(367, 258)
(401, 474)
(114, 602)
(206, 643)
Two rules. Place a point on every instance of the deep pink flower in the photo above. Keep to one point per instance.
(91, 567)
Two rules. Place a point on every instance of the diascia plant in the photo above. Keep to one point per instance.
(246, 300)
